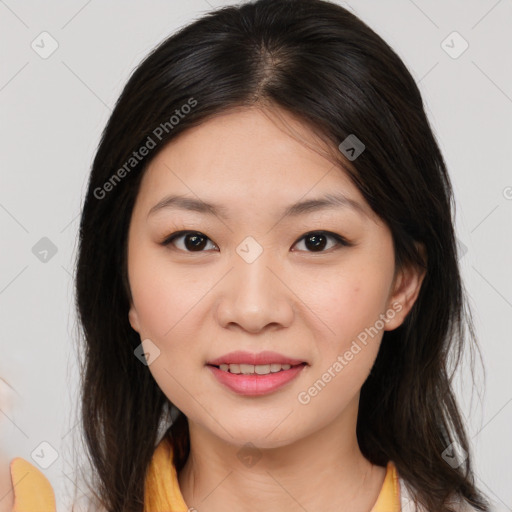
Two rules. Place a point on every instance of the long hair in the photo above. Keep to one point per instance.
(321, 63)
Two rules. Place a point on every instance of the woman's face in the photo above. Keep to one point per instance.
(255, 275)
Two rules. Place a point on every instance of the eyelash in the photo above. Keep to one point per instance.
(341, 241)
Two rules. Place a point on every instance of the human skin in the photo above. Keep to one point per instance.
(310, 305)
(6, 487)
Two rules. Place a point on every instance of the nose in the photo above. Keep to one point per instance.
(255, 296)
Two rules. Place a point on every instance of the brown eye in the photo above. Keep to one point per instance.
(193, 241)
(318, 240)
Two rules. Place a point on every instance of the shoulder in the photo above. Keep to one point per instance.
(408, 503)
(31, 489)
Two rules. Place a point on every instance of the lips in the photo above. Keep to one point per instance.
(248, 358)
(254, 384)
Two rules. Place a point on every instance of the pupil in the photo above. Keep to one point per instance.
(318, 241)
(197, 241)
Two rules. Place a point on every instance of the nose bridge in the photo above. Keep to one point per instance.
(254, 280)
(254, 296)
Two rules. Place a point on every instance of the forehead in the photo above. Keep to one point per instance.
(247, 156)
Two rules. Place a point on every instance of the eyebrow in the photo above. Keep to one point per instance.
(326, 202)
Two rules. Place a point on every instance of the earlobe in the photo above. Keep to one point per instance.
(406, 290)
(133, 318)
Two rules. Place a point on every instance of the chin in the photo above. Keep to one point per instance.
(258, 437)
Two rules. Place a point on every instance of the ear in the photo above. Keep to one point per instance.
(406, 288)
(134, 318)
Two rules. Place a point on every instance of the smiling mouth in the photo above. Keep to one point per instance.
(258, 369)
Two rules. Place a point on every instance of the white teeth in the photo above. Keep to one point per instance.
(262, 369)
(246, 368)
(258, 369)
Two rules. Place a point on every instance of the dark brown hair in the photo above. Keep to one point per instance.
(321, 63)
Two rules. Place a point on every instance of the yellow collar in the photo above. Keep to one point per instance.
(33, 492)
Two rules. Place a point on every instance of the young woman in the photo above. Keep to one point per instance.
(267, 278)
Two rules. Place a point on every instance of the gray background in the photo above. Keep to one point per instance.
(53, 109)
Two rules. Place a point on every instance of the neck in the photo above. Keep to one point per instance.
(323, 471)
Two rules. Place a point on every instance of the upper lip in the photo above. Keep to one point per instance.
(266, 357)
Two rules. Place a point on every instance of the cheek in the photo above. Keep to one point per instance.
(164, 297)
(350, 308)
(167, 303)
(353, 301)
(351, 304)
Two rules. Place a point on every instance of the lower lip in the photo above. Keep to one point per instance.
(255, 385)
